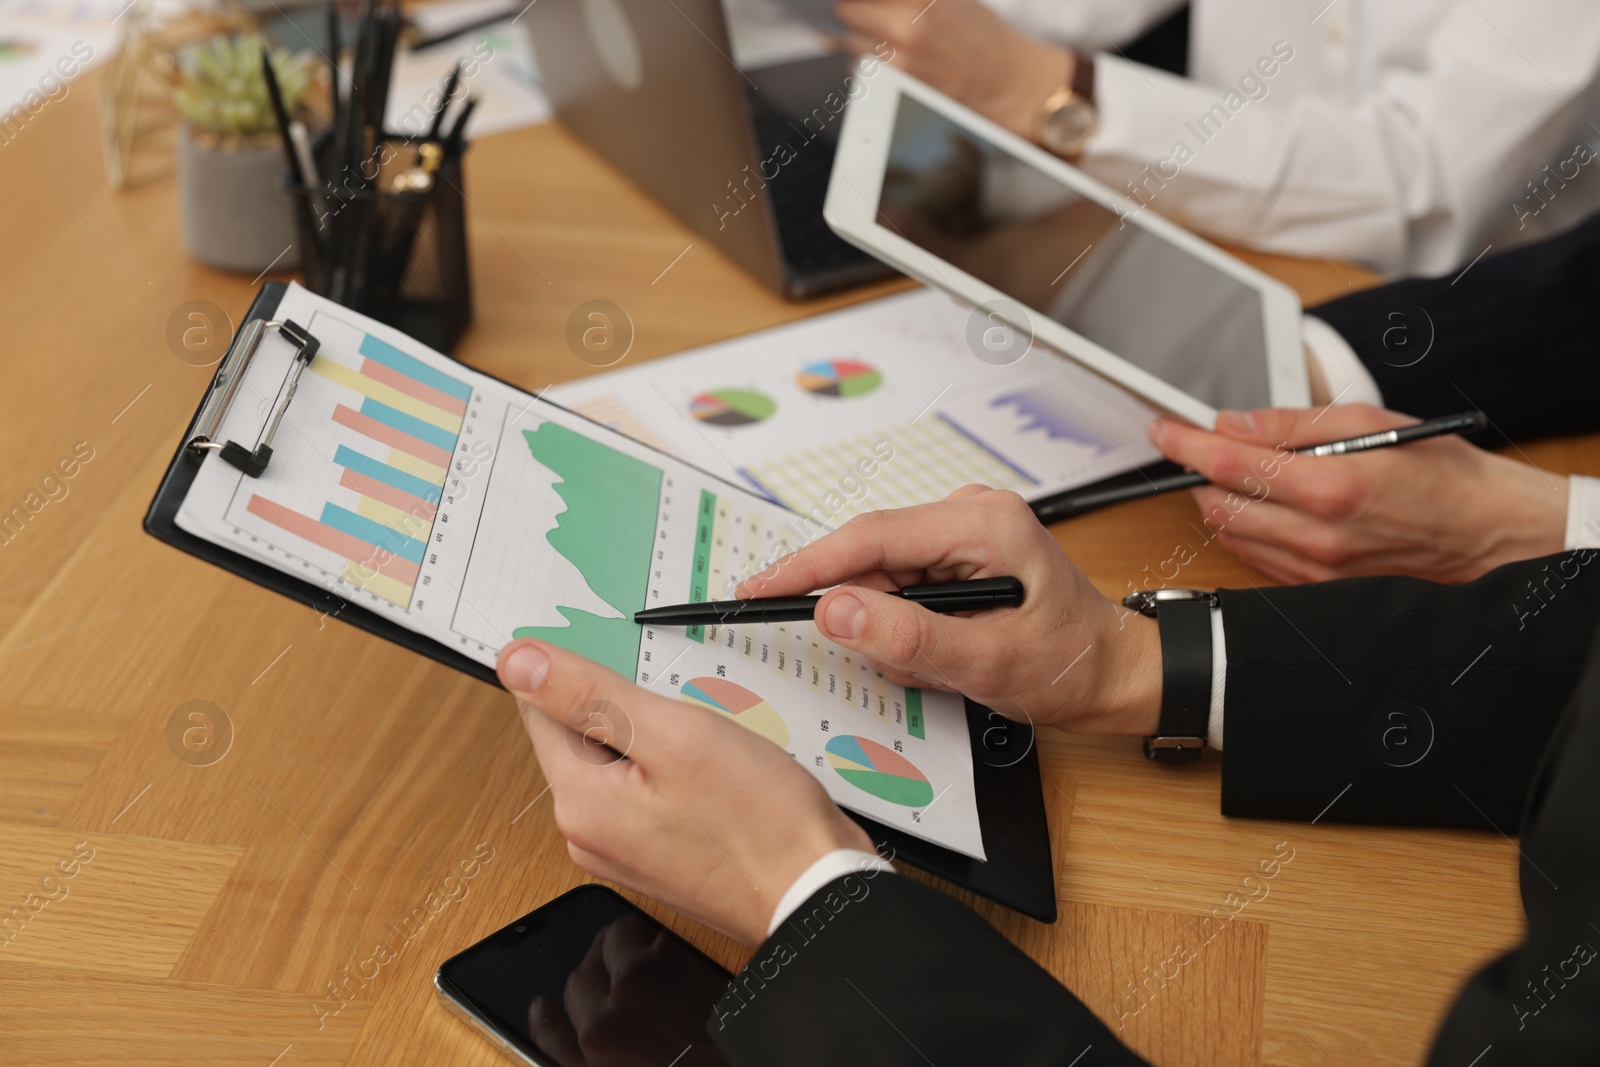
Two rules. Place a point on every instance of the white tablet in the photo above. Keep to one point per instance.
(950, 198)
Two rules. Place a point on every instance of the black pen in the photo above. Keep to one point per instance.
(1071, 504)
(333, 59)
(281, 118)
(943, 597)
(476, 24)
(450, 85)
(458, 129)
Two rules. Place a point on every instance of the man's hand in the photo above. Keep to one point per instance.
(1440, 509)
(704, 815)
(1067, 657)
(964, 50)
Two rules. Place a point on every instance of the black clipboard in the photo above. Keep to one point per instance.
(1019, 873)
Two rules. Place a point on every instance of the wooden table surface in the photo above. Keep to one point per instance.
(224, 903)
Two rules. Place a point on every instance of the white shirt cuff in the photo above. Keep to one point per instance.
(1219, 680)
(836, 864)
(1348, 379)
(1583, 512)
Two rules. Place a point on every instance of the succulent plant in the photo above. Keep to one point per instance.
(221, 90)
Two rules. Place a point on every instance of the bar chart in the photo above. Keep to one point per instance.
(387, 425)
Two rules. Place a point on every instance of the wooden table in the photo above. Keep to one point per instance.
(223, 902)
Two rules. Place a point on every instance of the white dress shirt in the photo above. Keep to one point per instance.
(1403, 135)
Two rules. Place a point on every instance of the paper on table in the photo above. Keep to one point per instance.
(45, 45)
(471, 513)
(763, 33)
(498, 68)
(880, 405)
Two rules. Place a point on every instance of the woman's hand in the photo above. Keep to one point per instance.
(688, 816)
(1067, 657)
(1440, 508)
(964, 50)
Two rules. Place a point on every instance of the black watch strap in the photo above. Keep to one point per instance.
(1185, 681)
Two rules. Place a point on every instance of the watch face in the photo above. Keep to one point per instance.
(1068, 127)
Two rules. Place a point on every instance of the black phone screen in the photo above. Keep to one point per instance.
(589, 980)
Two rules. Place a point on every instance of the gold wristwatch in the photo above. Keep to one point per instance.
(1068, 118)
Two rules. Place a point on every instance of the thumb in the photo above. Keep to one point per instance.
(601, 709)
(901, 635)
(1300, 427)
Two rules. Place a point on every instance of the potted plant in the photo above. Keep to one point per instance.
(230, 159)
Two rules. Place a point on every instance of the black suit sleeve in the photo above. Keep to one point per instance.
(1540, 1003)
(1395, 700)
(1517, 334)
(885, 971)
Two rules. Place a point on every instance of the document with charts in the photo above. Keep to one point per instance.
(473, 513)
(791, 411)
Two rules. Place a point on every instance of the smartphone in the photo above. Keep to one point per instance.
(588, 980)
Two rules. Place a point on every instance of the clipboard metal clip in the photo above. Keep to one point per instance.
(225, 387)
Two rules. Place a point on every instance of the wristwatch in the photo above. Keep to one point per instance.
(1184, 617)
(1068, 117)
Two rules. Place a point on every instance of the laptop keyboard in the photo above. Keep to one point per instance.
(798, 191)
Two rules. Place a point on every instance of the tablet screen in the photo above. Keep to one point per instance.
(1060, 254)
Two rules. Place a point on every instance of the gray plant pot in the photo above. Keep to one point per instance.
(234, 214)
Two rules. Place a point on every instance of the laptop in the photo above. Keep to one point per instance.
(743, 157)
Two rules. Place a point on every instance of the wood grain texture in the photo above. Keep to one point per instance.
(234, 910)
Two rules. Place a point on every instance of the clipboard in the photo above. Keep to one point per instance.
(1019, 872)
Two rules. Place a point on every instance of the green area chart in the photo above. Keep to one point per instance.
(606, 532)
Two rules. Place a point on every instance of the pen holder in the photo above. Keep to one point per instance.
(399, 256)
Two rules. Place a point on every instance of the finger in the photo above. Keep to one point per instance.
(901, 635)
(553, 1032)
(1300, 427)
(1328, 486)
(902, 539)
(554, 745)
(1224, 461)
(575, 693)
(1271, 523)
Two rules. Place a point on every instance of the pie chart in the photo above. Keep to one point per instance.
(881, 771)
(840, 377)
(731, 407)
(745, 707)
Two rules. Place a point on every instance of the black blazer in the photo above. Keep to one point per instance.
(1516, 334)
(884, 970)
